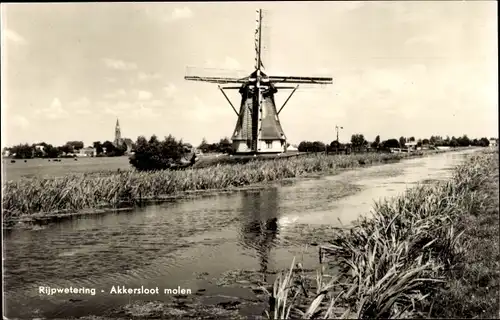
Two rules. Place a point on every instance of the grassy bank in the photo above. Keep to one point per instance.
(74, 193)
(432, 252)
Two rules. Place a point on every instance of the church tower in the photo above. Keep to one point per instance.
(118, 135)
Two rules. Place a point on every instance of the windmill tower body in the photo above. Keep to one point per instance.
(258, 129)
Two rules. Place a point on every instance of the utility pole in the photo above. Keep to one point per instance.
(337, 129)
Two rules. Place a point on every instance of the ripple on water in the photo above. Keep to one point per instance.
(256, 230)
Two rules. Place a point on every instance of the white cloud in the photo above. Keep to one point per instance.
(157, 103)
(14, 37)
(119, 108)
(144, 95)
(19, 121)
(81, 106)
(170, 90)
(144, 76)
(116, 94)
(144, 112)
(119, 64)
(228, 63)
(169, 15)
(181, 13)
(54, 111)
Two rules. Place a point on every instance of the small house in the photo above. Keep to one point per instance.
(86, 152)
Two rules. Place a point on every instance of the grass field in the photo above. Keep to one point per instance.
(39, 168)
(432, 252)
(70, 194)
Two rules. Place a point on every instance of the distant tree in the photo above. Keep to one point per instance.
(318, 146)
(412, 139)
(156, 155)
(358, 141)
(453, 142)
(376, 143)
(118, 151)
(204, 146)
(390, 143)
(109, 146)
(225, 146)
(402, 142)
(75, 145)
(419, 143)
(425, 142)
(22, 151)
(464, 141)
(66, 149)
(335, 145)
(302, 147)
(308, 146)
(98, 147)
(484, 142)
(52, 152)
(446, 142)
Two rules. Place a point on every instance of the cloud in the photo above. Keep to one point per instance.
(170, 90)
(145, 77)
(157, 103)
(81, 106)
(115, 94)
(167, 15)
(144, 112)
(19, 122)
(181, 13)
(144, 95)
(119, 108)
(119, 64)
(14, 37)
(54, 111)
(228, 63)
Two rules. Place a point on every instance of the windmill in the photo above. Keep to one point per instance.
(258, 129)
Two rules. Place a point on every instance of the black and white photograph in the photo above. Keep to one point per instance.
(250, 160)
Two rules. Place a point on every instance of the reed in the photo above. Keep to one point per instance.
(77, 192)
(393, 263)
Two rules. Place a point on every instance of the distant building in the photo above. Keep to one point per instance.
(86, 152)
(411, 145)
(293, 148)
(118, 135)
(118, 141)
(493, 142)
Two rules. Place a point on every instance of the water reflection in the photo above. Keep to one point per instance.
(260, 227)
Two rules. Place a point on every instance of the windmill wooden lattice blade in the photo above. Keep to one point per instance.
(220, 80)
(299, 80)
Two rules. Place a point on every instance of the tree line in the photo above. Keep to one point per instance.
(45, 150)
(154, 154)
(359, 143)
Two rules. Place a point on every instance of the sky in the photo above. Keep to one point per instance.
(399, 68)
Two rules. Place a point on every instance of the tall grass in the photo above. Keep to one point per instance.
(73, 193)
(393, 263)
